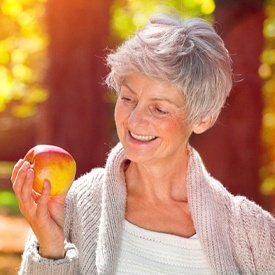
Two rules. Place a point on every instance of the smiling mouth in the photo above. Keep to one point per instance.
(142, 137)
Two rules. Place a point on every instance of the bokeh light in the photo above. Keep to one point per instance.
(23, 43)
(266, 72)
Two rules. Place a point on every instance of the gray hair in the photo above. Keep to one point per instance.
(186, 53)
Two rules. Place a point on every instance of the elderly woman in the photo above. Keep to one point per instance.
(153, 209)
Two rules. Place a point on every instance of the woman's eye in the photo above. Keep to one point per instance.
(161, 111)
(126, 99)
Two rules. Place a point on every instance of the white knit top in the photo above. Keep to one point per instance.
(148, 252)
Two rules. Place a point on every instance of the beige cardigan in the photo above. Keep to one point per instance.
(237, 236)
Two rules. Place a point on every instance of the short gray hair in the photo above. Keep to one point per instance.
(186, 53)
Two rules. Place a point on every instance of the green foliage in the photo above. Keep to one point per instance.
(8, 203)
(267, 73)
(128, 15)
(22, 50)
(8, 200)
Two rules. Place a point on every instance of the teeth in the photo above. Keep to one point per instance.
(142, 138)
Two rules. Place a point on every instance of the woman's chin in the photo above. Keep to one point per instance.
(138, 156)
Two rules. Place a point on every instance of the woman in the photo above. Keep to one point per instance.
(153, 209)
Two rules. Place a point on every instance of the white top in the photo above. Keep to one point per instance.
(148, 252)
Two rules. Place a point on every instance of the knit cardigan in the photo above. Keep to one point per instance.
(237, 236)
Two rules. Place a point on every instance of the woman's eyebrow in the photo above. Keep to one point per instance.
(162, 99)
(128, 87)
(169, 101)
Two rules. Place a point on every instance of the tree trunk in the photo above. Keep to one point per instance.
(232, 148)
(77, 116)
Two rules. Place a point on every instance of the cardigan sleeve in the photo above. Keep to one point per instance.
(84, 194)
(34, 264)
(260, 229)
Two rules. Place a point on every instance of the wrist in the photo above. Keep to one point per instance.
(53, 252)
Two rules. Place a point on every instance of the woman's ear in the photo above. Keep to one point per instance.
(206, 123)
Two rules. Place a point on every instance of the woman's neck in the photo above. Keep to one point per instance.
(162, 182)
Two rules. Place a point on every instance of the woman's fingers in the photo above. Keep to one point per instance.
(25, 197)
(42, 202)
(16, 168)
(23, 190)
(19, 176)
(23, 179)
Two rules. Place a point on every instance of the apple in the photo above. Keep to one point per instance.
(54, 164)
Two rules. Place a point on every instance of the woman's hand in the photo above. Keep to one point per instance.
(44, 214)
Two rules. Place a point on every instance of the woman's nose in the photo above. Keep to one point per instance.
(138, 117)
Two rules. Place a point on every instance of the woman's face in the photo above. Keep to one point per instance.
(150, 120)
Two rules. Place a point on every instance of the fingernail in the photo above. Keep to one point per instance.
(25, 166)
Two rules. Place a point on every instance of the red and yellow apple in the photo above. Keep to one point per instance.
(54, 164)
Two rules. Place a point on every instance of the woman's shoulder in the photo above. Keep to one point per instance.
(89, 183)
(249, 211)
(239, 206)
(85, 193)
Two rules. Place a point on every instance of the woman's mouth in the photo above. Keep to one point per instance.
(142, 137)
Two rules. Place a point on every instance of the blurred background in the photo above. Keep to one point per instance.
(51, 72)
